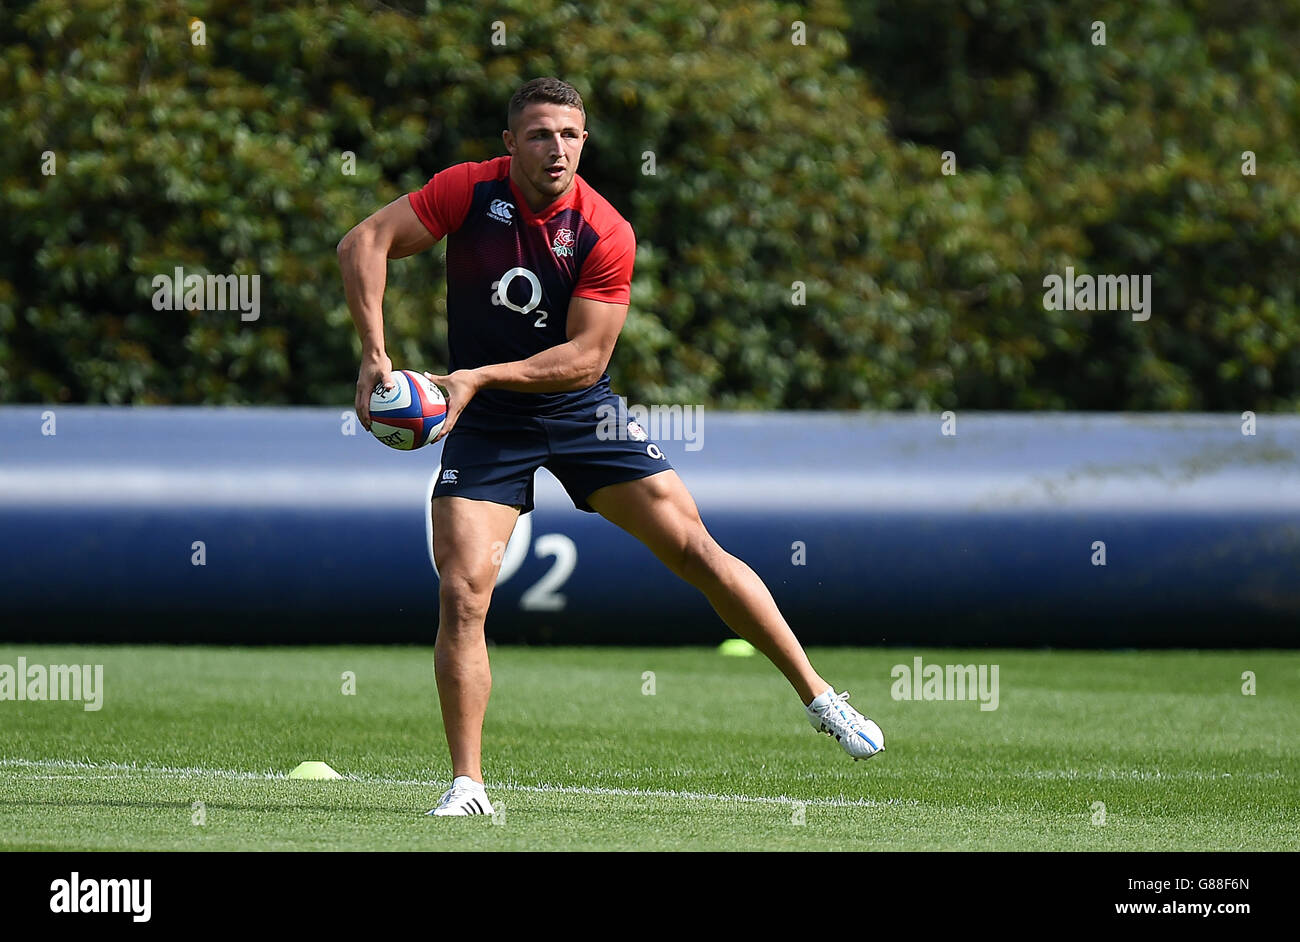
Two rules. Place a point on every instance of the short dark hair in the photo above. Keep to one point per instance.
(547, 89)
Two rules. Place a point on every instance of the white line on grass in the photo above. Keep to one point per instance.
(73, 765)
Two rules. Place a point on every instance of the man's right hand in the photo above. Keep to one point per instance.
(375, 369)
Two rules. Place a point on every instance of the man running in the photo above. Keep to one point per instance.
(539, 271)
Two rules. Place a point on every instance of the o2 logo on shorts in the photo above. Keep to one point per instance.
(501, 297)
(654, 452)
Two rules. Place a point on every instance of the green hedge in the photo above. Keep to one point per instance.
(776, 163)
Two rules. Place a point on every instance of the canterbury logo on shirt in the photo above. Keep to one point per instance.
(501, 211)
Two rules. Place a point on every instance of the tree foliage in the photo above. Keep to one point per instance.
(777, 164)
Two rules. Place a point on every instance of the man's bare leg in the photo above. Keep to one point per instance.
(660, 512)
(469, 537)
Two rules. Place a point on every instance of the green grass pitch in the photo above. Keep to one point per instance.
(581, 757)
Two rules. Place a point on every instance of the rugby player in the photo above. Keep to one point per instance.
(539, 269)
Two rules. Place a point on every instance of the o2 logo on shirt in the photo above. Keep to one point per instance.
(501, 296)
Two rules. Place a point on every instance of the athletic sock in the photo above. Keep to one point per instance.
(466, 781)
(822, 700)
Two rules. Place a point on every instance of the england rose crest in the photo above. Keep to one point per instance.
(563, 243)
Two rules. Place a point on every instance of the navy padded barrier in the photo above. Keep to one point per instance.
(908, 536)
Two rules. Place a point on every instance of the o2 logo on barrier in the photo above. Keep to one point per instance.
(543, 595)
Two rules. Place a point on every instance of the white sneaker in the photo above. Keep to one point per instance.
(465, 796)
(830, 713)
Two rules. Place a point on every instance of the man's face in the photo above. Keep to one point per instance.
(545, 145)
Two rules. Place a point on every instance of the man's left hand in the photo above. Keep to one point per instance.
(460, 388)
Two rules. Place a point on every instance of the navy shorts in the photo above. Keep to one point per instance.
(493, 456)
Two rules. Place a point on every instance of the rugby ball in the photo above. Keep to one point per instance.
(410, 414)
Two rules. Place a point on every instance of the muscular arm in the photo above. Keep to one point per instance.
(393, 232)
(593, 327)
